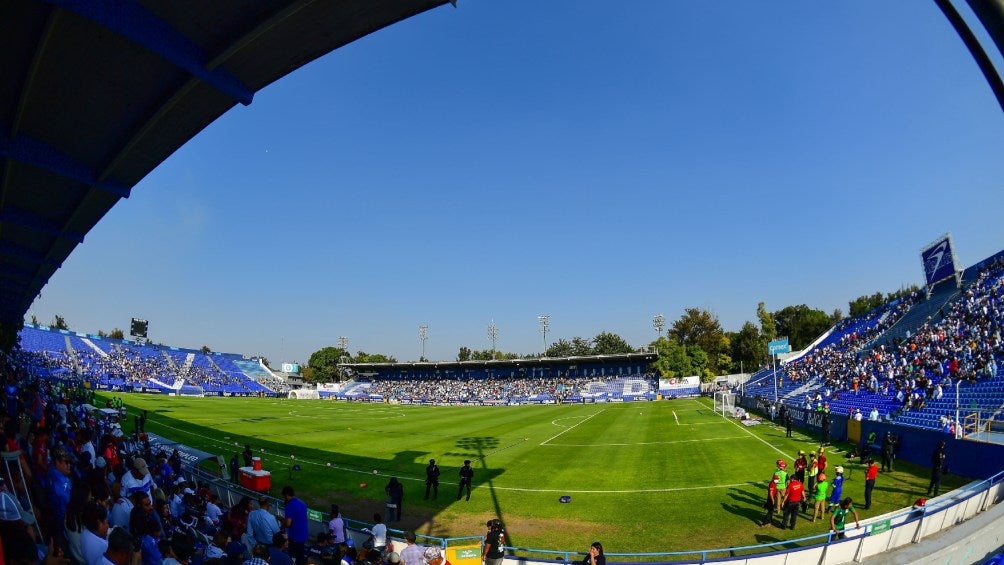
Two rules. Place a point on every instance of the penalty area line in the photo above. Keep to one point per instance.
(570, 428)
(760, 439)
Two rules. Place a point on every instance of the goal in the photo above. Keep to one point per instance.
(725, 403)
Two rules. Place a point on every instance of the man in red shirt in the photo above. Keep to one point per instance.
(771, 503)
(792, 500)
(870, 474)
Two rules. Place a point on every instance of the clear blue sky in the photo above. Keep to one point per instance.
(598, 162)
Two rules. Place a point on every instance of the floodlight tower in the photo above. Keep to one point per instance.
(659, 322)
(493, 335)
(545, 323)
(343, 343)
(423, 336)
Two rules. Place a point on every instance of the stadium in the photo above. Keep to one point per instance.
(565, 449)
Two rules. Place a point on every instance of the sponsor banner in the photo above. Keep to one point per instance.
(938, 259)
(778, 346)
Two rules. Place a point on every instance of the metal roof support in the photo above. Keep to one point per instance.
(131, 20)
(24, 149)
(975, 49)
(24, 254)
(34, 221)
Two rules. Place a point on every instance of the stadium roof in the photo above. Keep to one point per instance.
(619, 358)
(95, 94)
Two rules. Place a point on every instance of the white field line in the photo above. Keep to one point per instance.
(641, 442)
(675, 417)
(763, 441)
(570, 428)
(271, 456)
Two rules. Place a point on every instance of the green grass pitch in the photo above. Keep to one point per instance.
(643, 477)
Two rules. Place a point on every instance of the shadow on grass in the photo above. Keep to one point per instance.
(353, 481)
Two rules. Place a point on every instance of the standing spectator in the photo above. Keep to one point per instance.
(59, 488)
(939, 460)
(888, 452)
(800, 465)
(120, 548)
(432, 479)
(870, 474)
(826, 428)
(838, 519)
(838, 488)
(493, 546)
(772, 503)
(412, 554)
(336, 527)
(793, 496)
(787, 423)
(395, 498)
(296, 525)
(466, 478)
(822, 489)
(248, 455)
(379, 534)
(235, 468)
(262, 525)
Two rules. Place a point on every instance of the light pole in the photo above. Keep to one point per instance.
(493, 335)
(658, 322)
(343, 343)
(545, 322)
(423, 336)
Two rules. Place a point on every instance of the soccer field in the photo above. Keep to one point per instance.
(652, 476)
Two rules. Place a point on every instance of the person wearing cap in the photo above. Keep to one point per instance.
(262, 525)
(773, 502)
(432, 479)
(466, 478)
(493, 546)
(801, 463)
(822, 490)
(782, 479)
(837, 487)
(433, 556)
(138, 478)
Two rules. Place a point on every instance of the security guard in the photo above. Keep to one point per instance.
(432, 479)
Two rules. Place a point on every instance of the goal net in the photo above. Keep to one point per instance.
(725, 403)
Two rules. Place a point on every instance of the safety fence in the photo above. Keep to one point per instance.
(875, 536)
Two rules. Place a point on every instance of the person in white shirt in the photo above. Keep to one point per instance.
(379, 533)
(874, 415)
(138, 479)
(92, 539)
(213, 511)
(119, 517)
(336, 527)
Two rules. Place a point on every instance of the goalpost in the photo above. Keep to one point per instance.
(725, 403)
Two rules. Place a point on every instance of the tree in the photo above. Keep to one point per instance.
(749, 347)
(801, 324)
(323, 364)
(866, 303)
(34, 320)
(101, 333)
(608, 343)
(701, 328)
(59, 323)
(672, 360)
(577, 347)
(117, 333)
(205, 349)
(768, 327)
(464, 354)
(363, 357)
(307, 373)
